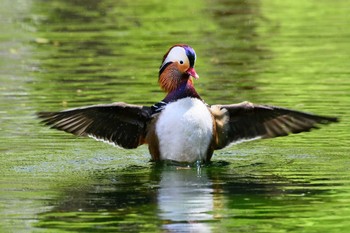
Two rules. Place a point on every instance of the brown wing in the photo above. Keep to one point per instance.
(247, 121)
(118, 123)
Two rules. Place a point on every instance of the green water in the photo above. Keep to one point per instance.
(68, 53)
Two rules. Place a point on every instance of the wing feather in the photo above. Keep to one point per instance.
(247, 121)
(118, 123)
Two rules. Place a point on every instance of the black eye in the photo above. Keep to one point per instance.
(181, 62)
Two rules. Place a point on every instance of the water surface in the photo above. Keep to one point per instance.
(62, 54)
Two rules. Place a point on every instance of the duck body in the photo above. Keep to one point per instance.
(185, 120)
(181, 127)
(185, 131)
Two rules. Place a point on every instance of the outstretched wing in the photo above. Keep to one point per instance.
(247, 121)
(118, 123)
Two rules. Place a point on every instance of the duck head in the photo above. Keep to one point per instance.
(177, 67)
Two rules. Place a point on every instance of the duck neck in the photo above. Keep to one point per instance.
(183, 90)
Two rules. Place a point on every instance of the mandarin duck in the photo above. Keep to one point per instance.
(181, 127)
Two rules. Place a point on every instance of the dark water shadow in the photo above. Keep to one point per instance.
(169, 198)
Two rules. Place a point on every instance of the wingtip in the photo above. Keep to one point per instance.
(328, 120)
(43, 116)
(335, 119)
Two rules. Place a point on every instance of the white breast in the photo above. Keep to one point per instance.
(184, 130)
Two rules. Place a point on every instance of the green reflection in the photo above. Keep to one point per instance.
(59, 54)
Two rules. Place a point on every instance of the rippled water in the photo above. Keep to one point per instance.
(61, 54)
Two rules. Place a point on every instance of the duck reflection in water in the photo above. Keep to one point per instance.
(185, 200)
(141, 199)
(168, 198)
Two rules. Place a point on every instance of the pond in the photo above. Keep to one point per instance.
(68, 53)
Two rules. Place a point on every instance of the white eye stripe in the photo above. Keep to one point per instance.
(176, 54)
